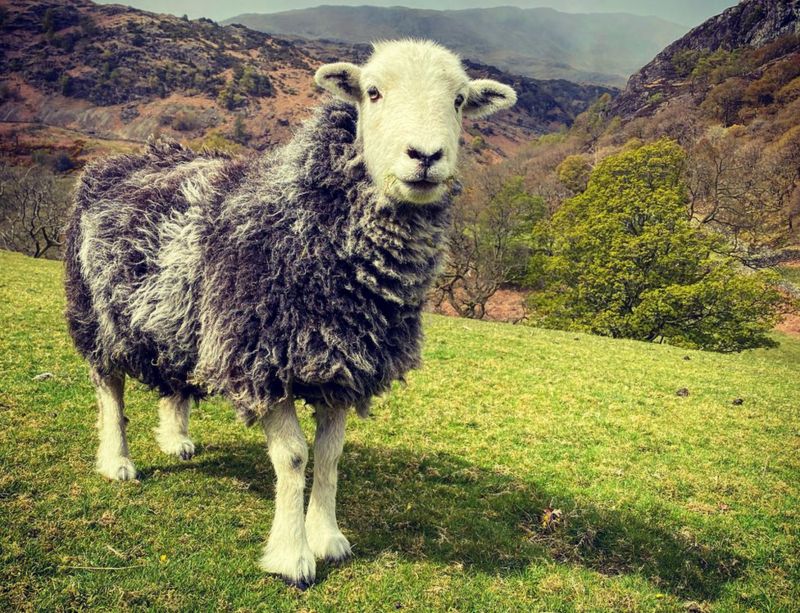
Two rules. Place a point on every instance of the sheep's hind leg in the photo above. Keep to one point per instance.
(172, 433)
(324, 536)
(113, 458)
(287, 552)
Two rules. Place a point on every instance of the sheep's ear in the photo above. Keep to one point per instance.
(341, 79)
(486, 97)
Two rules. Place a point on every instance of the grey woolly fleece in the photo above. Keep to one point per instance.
(260, 278)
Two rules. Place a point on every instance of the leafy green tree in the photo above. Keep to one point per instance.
(626, 261)
(574, 172)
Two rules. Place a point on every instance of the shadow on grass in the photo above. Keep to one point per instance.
(439, 507)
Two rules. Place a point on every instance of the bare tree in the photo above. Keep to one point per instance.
(492, 221)
(743, 189)
(33, 208)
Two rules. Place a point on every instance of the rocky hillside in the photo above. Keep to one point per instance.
(86, 78)
(722, 41)
(536, 42)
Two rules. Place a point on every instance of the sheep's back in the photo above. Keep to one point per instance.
(134, 261)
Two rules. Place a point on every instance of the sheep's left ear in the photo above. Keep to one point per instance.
(486, 97)
(342, 79)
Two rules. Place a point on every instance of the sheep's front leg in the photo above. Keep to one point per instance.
(287, 552)
(172, 433)
(324, 536)
(113, 458)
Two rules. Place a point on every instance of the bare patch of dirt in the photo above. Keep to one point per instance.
(790, 324)
(507, 305)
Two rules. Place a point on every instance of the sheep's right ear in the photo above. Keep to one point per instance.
(342, 79)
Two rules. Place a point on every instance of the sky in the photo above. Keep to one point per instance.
(685, 12)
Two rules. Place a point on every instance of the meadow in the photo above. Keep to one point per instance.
(519, 469)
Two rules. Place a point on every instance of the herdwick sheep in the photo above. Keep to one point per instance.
(300, 274)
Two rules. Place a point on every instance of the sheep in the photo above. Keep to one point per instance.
(296, 275)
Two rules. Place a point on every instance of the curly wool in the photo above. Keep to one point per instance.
(257, 278)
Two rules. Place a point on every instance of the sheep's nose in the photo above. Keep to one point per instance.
(426, 160)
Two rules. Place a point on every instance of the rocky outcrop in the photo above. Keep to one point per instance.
(751, 23)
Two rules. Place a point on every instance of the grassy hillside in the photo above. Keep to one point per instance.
(665, 502)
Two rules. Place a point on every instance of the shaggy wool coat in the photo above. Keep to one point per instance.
(254, 278)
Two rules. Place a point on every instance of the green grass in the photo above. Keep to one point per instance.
(667, 502)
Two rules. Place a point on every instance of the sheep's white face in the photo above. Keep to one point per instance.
(411, 98)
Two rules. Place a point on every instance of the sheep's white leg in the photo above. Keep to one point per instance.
(172, 433)
(324, 536)
(287, 552)
(113, 458)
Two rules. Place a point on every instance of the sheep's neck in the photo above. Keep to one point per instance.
(395, 248)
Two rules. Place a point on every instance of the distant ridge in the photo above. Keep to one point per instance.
(543, 43)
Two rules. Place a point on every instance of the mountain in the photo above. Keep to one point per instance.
(86, 77)
(685, 12)
(729, 94)
(539, 43)
(713, 50)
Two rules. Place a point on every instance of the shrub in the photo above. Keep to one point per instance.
(65, 84)
(478, 143)
(684, 61)
(8, 92)
(62, 162)
(186, 121)
(724, 101)
(625, 261)
(229, 98)
(216, 141)
(240, 134)
(33, 209)
(253, 83)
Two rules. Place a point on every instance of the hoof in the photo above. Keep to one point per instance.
(117, 469)
(338, 561)
(187, 453)
(297, 571)
(181, 447)
(301, 585)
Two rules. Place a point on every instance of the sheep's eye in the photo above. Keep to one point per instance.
(459, 101)
(373, 93)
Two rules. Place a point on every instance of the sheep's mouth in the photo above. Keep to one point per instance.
(422, 185)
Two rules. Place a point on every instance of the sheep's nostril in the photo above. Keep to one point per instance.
(414, 154)
(426, 160)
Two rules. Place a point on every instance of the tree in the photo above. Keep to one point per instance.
(33, 208)
(574, 172)
(626, 261)
(724, 101)
(488, 242)
(744, 189)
